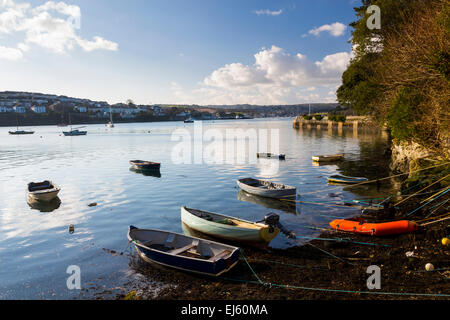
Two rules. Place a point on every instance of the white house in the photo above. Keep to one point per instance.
(81, 109)
(19, 109)
(39, 109)
(6, 109)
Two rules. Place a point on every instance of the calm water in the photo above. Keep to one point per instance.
(36, 247)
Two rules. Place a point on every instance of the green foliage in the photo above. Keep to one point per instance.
(307, 117)
(404, 115)
(318, 117)
(337, 118)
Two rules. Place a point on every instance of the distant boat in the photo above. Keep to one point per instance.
(110, 124)
(147, 165)
(42, 191)
(183, 252)
(20, 132)
(73, 132)
(338, 178)
(190, 120)
(328, 158)
(267, 188)
(271, 155)
(226, 227)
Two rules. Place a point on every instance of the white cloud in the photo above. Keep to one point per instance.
(336, 29)
(268, 12)
(276, 77)
(52, 26)
(334, 63)
(10, 53)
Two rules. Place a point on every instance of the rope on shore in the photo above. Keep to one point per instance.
(422, 190)
(380, 179)
(443, 219)
(415, 210)
(284, 286)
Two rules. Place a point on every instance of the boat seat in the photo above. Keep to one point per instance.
(185, 248)
(220, 255)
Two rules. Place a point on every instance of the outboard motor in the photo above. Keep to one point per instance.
(273, 220)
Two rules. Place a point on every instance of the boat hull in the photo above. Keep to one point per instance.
(43, 196)
(73, 134)
(346, 180)
(228, 232)
(329, 158)
(145, 165)
(271, 156)
(204, 267)
(21, 133)
(268, 193)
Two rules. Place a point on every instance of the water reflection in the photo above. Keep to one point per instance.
(45, 206)
(147, 172)
(282, 205)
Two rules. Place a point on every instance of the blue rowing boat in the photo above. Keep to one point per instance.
(183, 252)
(338, 178)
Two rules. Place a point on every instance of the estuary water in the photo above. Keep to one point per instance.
(36, 246)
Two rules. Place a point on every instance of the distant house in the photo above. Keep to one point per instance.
(39, 109)
(19, 109)
(5, 109)
(81, 109)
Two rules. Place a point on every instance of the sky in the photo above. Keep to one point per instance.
(177, 51)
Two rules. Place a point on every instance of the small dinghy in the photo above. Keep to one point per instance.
(338, 178)
(226, 227)
(42, 191)
(375, 229)
(20, 132)
(328, 158)
(74, 133)
(145, 165)
(271, 156)
(183, 252)
(267, 188)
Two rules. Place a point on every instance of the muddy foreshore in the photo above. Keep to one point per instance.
(308, 266)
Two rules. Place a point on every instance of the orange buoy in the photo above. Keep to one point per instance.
(375, 229)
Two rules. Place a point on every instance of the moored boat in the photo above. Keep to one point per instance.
(42, 191)
(376, 229)
(328, 158)
(226, 227)
(20, 132)
(267, 189)
(75, 132)
(190, 120)
(271, 155)
(145, 165)
(183, 252)
(338, 178)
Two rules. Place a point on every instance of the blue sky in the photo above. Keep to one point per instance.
(177, 51)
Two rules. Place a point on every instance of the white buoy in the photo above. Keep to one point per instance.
(429, 267)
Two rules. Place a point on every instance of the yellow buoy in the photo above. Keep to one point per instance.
(445, 241)
(429, 267)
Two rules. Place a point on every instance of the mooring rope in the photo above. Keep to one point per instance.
(284, 286)
(422, 190)
(415, 210)
(380, 179)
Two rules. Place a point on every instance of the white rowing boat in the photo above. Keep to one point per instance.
(328, 158)
(226, 227)
(267, 189)
(42, 191)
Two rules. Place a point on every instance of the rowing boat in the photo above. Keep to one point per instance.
(271, 155)
(338, 178)
(183, 252)
(328, 158)
(226, 227)
(42, 191)
(141, 164)
(267, 189)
